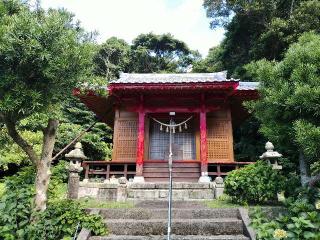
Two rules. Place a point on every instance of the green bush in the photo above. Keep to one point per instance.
(59, 220)
(58, 182)
(16, 204)
(300, 221)
(255, 183)
(60, 172)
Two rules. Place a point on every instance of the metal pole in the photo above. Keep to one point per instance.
(170, 181)
(171, 127)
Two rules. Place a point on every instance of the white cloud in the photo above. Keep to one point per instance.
(126, 19)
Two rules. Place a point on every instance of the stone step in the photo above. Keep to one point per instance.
(175, 179)
(175, 204)
(174, 164)
(175, 185)
(175, 175)
(173, 237)
(174, 170)
(190, 213)
(222, 226)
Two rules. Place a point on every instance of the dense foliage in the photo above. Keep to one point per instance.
(113, 57)
(289, 105)
(161, 53)
(299, 220)
(59, 220)
(44, 54)
(30, 40)
(255, 183)
(149, 53)
(259, 29)
(33, 76)
(76, 118)
(255, 30)
(11, 154)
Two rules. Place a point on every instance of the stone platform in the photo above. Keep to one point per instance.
(192, 220)
(146, 191)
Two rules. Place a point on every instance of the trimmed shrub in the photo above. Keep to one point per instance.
(254, 183)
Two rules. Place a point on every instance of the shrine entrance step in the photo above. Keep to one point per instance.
(182, 171)
(173, 237)
(191, 221)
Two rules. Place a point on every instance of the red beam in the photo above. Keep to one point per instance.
(174, 109)
(203, 138)
(140, 146)
(174, 97)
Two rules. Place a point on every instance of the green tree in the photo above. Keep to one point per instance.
(260, 29)
(289, 105)
(43, 56)
(112, 58)
(255, 30)
(211, 63)
(76, 118)
(221, 12)
(281, 32)
(160, 53)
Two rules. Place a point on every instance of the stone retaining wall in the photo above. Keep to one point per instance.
(146, 191)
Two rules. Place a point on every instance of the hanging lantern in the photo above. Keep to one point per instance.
(174, 130)
(180, 128)
(167, 129)
(161, 128)
(185, 126)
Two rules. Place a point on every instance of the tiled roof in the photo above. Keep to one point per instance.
(172, 77)
(248, 86)
(145, 78)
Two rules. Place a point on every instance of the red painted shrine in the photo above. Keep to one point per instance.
(136, 103)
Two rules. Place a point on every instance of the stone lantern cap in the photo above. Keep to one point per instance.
(270, 153)
(76, 153)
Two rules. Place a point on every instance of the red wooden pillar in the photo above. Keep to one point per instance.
(140, 146)
(203, 139)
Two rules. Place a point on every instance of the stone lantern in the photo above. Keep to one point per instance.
(76, 156)
(271, 156)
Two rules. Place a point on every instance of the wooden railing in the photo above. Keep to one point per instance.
(220, 169)
(106, 169)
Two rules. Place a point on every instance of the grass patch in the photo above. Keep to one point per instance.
(95, 203)
(216, 203)
(2, 188)
(225, 202)
(222, 202)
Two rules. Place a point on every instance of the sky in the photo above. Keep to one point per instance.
(185, 19)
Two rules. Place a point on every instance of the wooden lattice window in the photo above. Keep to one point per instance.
(219, 138)
(125, 139)
(184, 147)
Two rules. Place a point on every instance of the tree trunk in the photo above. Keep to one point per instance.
(304, 169)
(44, 164)
(14, 134)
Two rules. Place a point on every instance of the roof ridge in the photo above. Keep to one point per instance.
(127, 78)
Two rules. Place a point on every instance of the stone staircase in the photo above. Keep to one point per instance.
(191, 221)
(181, 171)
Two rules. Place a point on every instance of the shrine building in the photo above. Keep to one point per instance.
(137, 106)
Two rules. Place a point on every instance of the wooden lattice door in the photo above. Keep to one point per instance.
(184, 144)
(125, 137)
(219, 137)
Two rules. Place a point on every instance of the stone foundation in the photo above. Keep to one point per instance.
(146, 191)
(103, 191)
